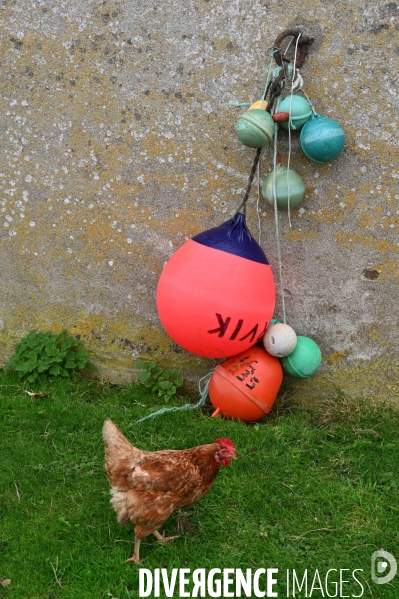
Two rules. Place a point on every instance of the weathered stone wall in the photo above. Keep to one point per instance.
(118, 144)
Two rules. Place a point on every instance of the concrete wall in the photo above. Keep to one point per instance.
(118, 144)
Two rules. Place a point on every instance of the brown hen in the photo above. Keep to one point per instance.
(146, 487)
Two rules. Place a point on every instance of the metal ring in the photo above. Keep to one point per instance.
(303, 42)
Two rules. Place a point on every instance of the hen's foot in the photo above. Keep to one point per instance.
(134, 559)
(162, 539)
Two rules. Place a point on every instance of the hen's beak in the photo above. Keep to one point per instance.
(234, 457)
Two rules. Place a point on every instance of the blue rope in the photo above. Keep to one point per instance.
(238, 104)
(276, 71)
(203, 391)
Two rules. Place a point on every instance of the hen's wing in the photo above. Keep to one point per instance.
(167, 471)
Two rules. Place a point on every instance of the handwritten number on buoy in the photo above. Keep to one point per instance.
(254, 381)
(250, 370)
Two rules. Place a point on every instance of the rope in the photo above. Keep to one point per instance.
(276, 222)
(257, 202)
(308, 99)
(289, 129)
(269, 73)
(238, 104)
(203, 391)
(250, 181)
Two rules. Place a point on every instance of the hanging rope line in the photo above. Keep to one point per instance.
(276, 217)
(289, 127)
(250, 181)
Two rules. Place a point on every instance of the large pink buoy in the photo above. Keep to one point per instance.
(216, 295)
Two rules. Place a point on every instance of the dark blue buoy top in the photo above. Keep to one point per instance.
(233, 237)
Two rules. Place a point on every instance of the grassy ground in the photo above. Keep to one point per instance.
(310, 491)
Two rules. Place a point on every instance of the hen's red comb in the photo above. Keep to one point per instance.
(228, 443)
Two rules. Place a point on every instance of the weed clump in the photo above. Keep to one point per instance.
(49, 354)
(163, 383)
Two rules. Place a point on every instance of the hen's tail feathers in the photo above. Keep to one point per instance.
(120, 459)
(116, 444)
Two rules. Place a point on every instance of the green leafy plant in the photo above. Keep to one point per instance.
(55, 355)
(162, 382)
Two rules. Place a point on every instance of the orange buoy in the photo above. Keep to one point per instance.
(216, 295)
(245, 386)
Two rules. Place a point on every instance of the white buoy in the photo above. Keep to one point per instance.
(280, 340)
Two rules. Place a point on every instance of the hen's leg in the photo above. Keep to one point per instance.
(162, 539)
(135, 557)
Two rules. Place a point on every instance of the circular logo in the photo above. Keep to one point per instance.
(383, 567)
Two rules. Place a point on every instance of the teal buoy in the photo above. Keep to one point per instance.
(304, 360)
(298, 107)
(322, 138)
(290, 188)
(255, 128)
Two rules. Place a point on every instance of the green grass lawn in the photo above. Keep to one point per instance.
(311, 491)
